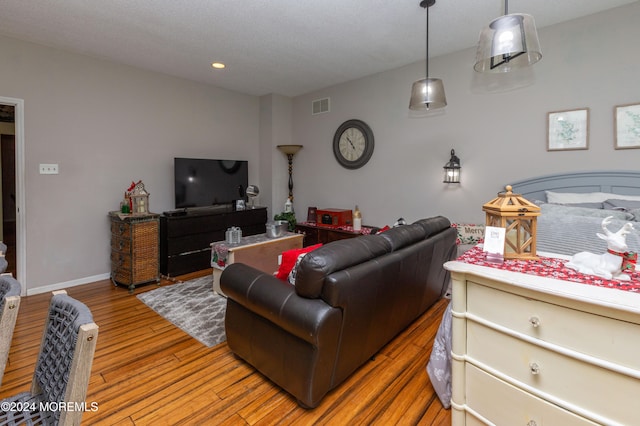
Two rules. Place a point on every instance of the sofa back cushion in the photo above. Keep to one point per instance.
(335, 256)
(433, 225)
(402, 236)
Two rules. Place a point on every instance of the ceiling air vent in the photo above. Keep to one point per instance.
(320, 106)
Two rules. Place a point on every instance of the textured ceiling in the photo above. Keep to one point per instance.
(287, 47)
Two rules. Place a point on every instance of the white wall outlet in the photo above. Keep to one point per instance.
(48, 169)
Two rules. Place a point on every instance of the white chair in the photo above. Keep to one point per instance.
(63, 368)
(9, 304)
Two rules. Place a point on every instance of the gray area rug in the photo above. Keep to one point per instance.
(193, 307)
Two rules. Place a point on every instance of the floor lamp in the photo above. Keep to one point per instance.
(290, 151)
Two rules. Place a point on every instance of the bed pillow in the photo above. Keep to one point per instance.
(587, 205)
(587, 197)
(629, 206)
(289, 259)
(625, 205)
(469, 233)
(549, 209)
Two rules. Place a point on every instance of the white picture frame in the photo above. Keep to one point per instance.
(568, 130)
(627, 126)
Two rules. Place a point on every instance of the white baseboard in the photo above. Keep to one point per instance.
(67, 284)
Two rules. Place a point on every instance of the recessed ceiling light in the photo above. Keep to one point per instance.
(218, 65)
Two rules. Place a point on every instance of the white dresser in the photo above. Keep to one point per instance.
(536, 351)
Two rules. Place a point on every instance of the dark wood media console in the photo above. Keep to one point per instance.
(185, 236)
(314, 233)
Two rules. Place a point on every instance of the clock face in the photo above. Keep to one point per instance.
(353, 144)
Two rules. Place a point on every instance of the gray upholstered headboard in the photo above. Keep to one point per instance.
(625, 182)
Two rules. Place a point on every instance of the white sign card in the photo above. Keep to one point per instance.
(494, 243)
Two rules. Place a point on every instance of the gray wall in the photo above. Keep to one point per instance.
(498, 132)
(105, 125)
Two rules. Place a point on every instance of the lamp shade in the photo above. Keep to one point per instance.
(427, 94)
(289, 149)
(507, 43)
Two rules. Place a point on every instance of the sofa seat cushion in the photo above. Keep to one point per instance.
(335, 256)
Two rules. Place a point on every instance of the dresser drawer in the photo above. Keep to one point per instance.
(594, 389)
(601, 337)
(120, 229)
(120, 244)
(504, 404)
(121, 260)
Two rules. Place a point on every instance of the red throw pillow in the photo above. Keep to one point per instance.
(289, 258)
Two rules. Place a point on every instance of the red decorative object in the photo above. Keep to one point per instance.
(629, 260)
(334, 217)
(289, 258)
(550, 268)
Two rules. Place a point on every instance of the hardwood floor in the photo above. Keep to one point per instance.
(147, 371)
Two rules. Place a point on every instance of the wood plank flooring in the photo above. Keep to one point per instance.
(148, 372)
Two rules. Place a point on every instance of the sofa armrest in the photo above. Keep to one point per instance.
(277, 301)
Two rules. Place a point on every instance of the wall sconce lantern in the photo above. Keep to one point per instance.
(452, 169)
(519, 218)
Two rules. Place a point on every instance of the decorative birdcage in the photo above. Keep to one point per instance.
(139, 199)
(519, 218)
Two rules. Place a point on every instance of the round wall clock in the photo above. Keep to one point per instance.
(353, 144)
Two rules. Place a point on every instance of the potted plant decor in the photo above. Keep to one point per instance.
(289, 217)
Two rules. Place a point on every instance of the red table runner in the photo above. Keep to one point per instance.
(549, 268)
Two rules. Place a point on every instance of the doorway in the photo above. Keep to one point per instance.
(12, 185)
(8, 176)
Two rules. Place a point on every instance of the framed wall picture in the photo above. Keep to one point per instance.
(568, 130)
(627, 126)
(312, 214)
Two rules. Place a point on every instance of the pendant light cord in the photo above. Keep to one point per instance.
(427, 44)
(506, 7)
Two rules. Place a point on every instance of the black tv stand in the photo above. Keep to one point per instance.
(174, 213)
(217, 208)
(186, 234)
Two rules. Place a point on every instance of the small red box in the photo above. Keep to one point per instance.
(334, 217)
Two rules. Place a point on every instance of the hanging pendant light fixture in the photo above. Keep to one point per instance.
(428, 93)
(507, 43)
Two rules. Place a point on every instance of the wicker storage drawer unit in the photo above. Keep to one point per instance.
(134, 249)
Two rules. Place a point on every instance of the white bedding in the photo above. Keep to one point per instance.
(561, 229)
(568, 234)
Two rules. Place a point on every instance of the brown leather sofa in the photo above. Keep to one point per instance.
(351, 297)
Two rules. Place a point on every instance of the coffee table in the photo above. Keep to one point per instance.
(258, 251)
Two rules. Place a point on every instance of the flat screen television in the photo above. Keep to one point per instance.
(207, 182)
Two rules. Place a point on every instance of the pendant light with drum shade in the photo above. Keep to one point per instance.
(508, 43)
(427, 94)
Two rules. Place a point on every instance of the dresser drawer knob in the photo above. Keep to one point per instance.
(534, 368)
(534, 321)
